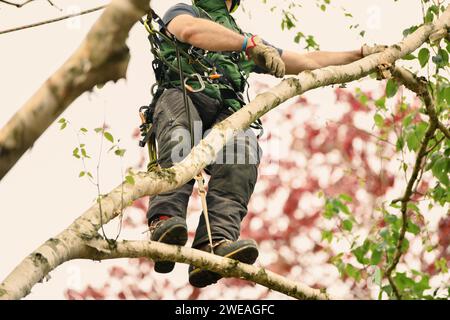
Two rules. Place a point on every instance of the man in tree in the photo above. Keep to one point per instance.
(221, 56)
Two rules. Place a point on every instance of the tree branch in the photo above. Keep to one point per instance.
(17, 5)
(20, 5)
(99, 250)
(71, 242)
(52, 20)
(102, 56)
(404, 205)
(420, 87)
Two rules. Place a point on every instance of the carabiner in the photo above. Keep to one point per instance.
(200, 80)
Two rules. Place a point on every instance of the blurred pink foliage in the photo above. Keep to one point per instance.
(305, 156)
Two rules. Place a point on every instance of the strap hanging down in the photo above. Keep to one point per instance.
(201, 190)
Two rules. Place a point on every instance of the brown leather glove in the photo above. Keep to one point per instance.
(265, 56)
(367, 50)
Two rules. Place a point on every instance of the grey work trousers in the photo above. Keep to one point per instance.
(233, 175)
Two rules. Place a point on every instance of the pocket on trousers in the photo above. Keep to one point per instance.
(208, 108)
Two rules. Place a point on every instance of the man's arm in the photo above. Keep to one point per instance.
(205, 34)
(298, 62)
(212, 36)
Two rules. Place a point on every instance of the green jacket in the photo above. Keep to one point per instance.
(234, 65)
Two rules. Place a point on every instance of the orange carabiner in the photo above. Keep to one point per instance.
(215, 76)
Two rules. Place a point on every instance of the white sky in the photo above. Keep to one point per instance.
(42, 194)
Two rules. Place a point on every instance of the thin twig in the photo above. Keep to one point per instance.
(444, 130)
(54, 5)
(17, 5)
(52, 20)
(435, 145)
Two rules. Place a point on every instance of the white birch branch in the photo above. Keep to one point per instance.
(71, 243)
(99, 250)
(103, 56)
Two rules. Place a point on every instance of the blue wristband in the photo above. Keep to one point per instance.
(244, 45)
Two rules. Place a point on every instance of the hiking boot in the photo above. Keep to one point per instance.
(244, 251)
(170, 230)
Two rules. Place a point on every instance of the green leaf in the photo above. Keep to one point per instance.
(441, 59)
(82, 173)
(330, 209)
(412, 228)
(429, 16)
(400, 143)
(361, 251)
(403, 281)
(408, 119)
(424, 56)
(391, 88)
(441, 265)
(381, 103)
(63, 125)
(441, 169)
(347, 225)
(90, 175)
(379, 121)
(62, 120)
(298, 37)
(97, 130)
(409, 30)
(345, 197)
(108, 136)
(377, 276)
(340, 206)
(405, 245)
(120, 152)
(446, 94)
(83, 153)
(130, 180)
(376, 257)
(75, 153)
(352, 272)
(327, 236)
(84, 130)
(409, 56)
(412, 141)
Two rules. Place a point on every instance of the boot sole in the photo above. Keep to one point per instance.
(201, 278)
(176, 235)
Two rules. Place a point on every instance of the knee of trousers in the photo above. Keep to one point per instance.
(235, 182)
(242, 149)
(174, 147)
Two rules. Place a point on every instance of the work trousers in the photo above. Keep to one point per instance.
(233, 174)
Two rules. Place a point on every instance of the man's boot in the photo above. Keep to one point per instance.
(170, 230)
(244, 251)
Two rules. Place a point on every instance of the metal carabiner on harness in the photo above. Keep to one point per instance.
(200, 80)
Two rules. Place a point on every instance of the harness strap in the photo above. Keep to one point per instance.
(201, 190)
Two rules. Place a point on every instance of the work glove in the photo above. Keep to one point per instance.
(265, 56)
(367, 50)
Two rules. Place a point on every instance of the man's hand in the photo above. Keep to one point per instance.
(266, 57)
(367, 50)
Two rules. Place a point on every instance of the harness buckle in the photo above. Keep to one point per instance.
(200, 80)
